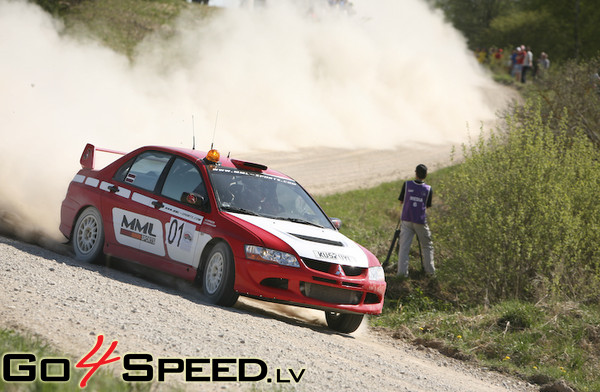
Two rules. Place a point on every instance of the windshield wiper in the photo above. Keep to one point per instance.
(302, 221)
(238, 210)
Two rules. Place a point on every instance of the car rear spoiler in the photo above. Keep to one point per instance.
(88, 156)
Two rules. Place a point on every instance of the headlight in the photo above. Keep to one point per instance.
(376, 273)
(259, 253)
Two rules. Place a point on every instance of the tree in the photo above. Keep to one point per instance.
(564, 29)
(472, 17)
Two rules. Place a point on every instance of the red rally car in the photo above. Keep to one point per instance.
(236, 227)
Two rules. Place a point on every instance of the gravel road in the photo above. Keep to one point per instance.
(69, 304)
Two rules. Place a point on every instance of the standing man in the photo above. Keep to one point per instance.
(527, 64)
(415, 198)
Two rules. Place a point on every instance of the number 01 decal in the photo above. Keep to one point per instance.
(180, 234)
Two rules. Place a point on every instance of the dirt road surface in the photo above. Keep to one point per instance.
(324, 171)
(69, 304)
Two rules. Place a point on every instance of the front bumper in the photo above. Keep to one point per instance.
(316, 284)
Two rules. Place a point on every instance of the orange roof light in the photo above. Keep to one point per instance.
(213, 156)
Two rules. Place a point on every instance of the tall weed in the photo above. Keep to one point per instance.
(521, 216)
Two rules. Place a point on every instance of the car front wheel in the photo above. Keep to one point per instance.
(88, 235)
(219, 276)
(343, 322)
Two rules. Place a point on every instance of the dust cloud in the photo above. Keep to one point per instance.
(283, 77)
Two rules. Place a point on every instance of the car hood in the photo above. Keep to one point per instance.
(312, 242)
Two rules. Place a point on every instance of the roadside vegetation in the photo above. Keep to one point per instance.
(516, 223)
(516, 227)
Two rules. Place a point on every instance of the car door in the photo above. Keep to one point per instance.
(183, 206)
(131, 206)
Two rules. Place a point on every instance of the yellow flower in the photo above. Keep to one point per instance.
(535, 367)
(459, 337)
(506, 358)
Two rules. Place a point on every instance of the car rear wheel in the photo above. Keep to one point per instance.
(219, 276)
(88, 235)
(343, 322)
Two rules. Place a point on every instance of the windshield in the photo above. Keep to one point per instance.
(255, 193)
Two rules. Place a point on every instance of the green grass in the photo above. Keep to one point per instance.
(540, 343)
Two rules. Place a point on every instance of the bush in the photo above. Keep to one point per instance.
(575, 89)
(521, 218)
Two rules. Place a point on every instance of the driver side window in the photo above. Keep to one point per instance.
(293, 202)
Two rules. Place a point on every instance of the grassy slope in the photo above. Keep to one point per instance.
(122, 24)
(541, 342)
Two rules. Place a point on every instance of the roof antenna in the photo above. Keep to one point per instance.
(215, 130)
(193, 134)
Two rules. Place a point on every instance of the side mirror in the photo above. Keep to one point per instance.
(337, 222)
(194, 199)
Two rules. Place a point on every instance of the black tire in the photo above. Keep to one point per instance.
(88, 236)
(218, 277)
(343, 322)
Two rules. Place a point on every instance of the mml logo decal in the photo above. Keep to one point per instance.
(135, 229)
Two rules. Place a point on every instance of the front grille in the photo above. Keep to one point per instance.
(317, 265)
(353, 271)
(332, 295)
(330, 268)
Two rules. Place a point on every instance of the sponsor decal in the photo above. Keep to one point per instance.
(134, 229)
(333, 256)
(181, 213)
(143, 367)
(138, 231)
(209, 222)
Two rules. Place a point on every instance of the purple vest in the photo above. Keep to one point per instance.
(415, 202)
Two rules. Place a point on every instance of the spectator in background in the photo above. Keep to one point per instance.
(542, 64)
(512, 63)
(518, 67)
(544, 61)
(527, 63)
